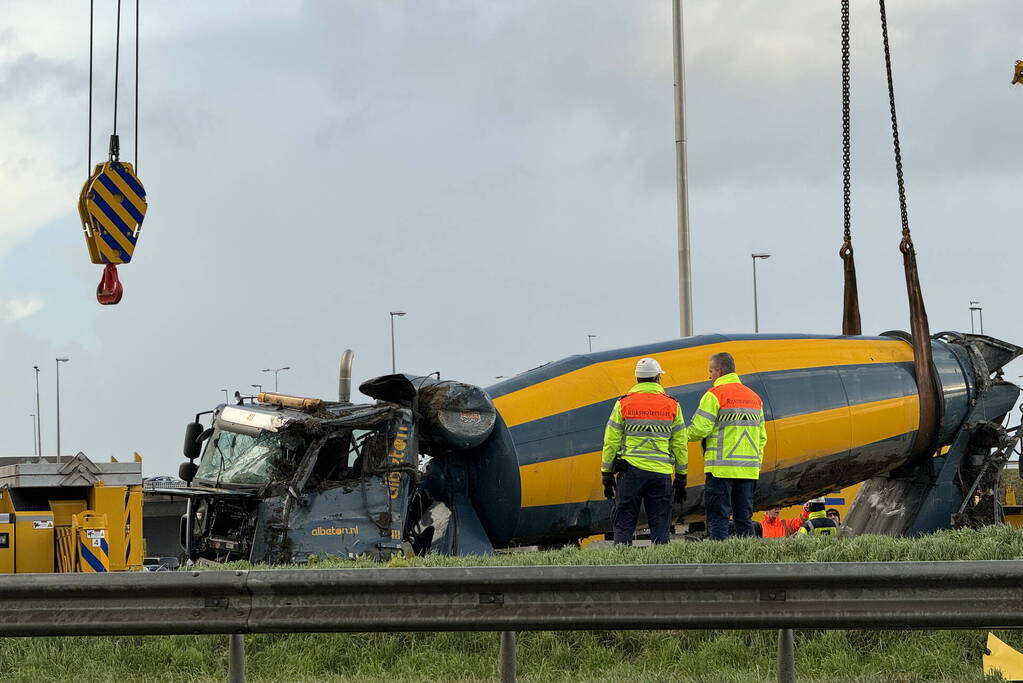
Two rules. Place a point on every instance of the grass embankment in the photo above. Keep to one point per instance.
(706, 656)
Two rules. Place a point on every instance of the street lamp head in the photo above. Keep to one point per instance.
(398, 313)
(63, 360)
(760, 254)
(286, 368)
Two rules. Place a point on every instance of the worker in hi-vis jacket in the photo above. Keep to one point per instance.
(644, 442)
(730, 422)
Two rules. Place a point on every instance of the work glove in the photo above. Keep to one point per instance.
(608, 479)
(679, 489)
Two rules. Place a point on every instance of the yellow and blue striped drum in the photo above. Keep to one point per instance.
(93, 548)
(838, 410)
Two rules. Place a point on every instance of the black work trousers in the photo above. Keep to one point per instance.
(653, 491)
(729, 497)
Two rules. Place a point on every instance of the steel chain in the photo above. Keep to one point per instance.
(907, 242)
(846, 141)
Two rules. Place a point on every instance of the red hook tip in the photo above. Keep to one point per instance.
(109, 291)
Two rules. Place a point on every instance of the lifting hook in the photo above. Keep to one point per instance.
(109, 290)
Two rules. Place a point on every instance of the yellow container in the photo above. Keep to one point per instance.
(135, 545)
(64, 534)
(93, 549)
(122, 506)
(33, 542)
(6, 543)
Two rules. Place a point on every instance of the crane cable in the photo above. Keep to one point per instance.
(137, 87)
(115, 143)
(88, 156)
(112, 203)
(923, 362)
(851, 300)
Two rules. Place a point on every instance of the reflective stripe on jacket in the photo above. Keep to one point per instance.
(648, 431)
(819, 525)
(730, 422)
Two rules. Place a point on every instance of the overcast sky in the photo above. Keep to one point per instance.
(503, 171)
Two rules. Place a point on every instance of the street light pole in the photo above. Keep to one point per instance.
(227, 399)
(685, 276)
(39, 422)
(394, 366)
(756, 305)
(58, 362)
(34, 446)
(257, 387)
(275, 371)
(589, 339)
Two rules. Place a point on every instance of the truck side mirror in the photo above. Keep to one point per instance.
(186, 472)
(192, 433)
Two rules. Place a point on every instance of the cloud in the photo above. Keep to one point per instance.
(502, 171)
(18, 309)
(38, 170)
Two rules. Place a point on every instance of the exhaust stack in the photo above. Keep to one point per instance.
(344, 378)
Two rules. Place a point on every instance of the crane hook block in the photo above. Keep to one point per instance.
(112, 205)
(109, 291)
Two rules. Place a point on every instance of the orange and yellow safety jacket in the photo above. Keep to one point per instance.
(780, 528)
(730, 422)
(647, 430)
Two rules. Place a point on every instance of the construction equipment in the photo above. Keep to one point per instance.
(112, 203)
(281, 478)
(70, 516)
(1017, 76)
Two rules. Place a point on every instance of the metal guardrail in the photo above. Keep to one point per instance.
(896, 595)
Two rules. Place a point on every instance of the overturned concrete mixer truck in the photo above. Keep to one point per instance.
(448, 467)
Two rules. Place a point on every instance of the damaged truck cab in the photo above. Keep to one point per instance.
(281, 478)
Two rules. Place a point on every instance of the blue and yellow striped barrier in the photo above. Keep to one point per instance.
(93, 549)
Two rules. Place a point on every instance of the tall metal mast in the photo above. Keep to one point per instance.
(685, 278)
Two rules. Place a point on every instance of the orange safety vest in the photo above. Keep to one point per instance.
(737, 397)
(643, 409)
(780, 528)
(646, 429)
(732, 449)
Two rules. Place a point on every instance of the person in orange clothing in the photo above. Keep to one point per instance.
(776, 527)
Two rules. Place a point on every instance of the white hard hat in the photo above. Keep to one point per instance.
(648, 367)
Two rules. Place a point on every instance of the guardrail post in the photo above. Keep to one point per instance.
(508, 647)
(236, 665)
(786, 656)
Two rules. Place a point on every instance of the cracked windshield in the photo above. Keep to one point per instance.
(239, 458)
